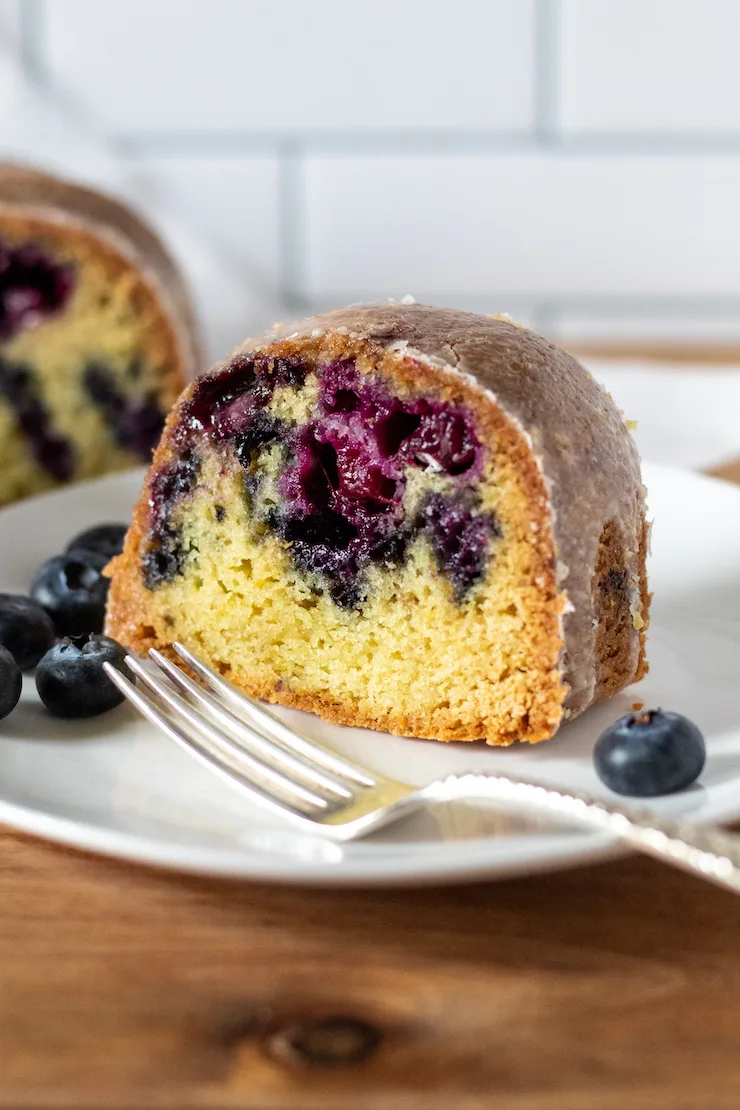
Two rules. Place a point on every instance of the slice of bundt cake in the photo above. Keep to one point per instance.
(96, 334)
(397, 516)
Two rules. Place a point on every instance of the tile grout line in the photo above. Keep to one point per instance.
(546, 316)
(425, 145)
(407, 142)
(32, 21)
(547, 43)
(291, 226)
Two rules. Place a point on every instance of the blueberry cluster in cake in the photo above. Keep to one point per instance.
(335, 486)
(53, 452)
(34, 287)
(135, 424)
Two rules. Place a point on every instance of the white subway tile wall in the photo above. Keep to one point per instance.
(573, 162)
(10, 21)
(233, 203)
(236, 201)
(664, 67)
(530, 224)
(287, 66)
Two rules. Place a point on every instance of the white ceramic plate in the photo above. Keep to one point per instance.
(114, 785)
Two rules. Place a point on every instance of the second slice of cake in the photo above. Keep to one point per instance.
(97, 336)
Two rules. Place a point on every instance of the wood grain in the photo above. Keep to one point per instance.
(729, 471)
(679, 354)
(609, 987)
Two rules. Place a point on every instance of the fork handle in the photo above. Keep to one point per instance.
(703, 850)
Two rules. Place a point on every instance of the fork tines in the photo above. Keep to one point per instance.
(236, 736)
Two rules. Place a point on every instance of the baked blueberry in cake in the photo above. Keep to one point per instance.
(96, 334)
(413, 519)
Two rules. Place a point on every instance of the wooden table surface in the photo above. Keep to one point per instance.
(614, 987)
(608, 988)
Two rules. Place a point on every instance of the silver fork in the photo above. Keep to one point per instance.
(320, 791)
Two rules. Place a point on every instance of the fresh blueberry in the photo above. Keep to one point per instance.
(73, 592)
(649, 753)
(10, 683)
(26, 630)
(105, 539)
(95, 559)
(71, 681)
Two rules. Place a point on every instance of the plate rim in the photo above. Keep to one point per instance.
(576, 849)
(463, 861)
